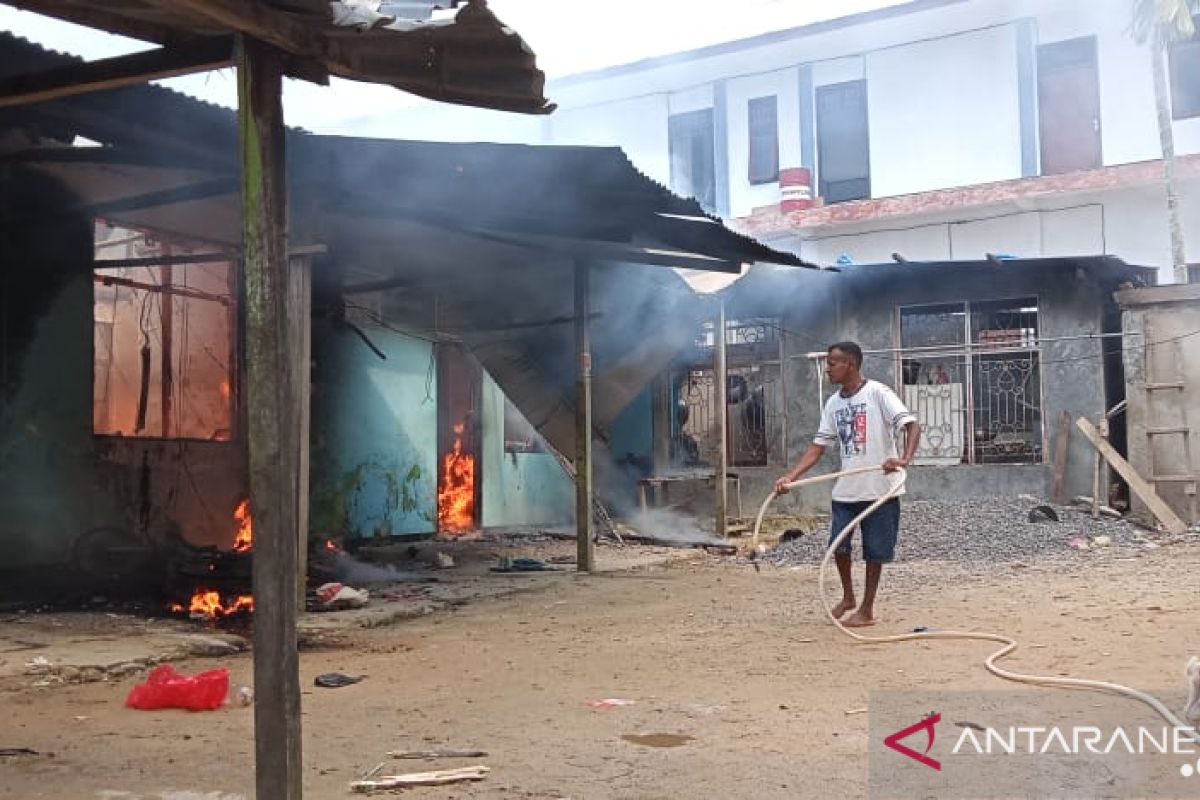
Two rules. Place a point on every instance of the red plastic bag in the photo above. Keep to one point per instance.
(166, 688)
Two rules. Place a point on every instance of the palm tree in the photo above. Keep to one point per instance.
(1158, 23)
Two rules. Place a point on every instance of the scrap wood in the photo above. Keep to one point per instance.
(435, 778)
(18, 751)
(438, 754)
(1143, 489)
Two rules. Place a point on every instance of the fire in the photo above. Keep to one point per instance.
(331, 546)
(456, 494)
(207, 603)
(245, 532)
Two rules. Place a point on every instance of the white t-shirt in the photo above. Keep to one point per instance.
(863, 428)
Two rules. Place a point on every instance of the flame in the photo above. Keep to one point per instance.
(207, 602)
(331, 546)
(456, 494)
(245, 532)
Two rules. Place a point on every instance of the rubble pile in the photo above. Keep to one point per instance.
(984, 530)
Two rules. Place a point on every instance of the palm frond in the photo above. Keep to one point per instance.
(1161, 22)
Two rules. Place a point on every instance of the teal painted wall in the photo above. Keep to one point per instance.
(519, 488)
(374, 434)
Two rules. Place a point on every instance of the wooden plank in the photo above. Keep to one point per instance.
(272, 422)
(435, 778)
(1143, 489)
(1058, 492)
(259, 20)
(584, 523)
(113, 73)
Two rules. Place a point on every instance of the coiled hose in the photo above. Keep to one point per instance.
(1009, 645)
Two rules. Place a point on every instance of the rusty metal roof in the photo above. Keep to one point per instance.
(475, 61)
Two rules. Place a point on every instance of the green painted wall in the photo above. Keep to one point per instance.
(374, 434)
(519, 488)
(49, 493)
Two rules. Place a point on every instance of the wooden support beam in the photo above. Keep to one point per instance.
(584, 523)
(112, 73)
(259, 20)
(721, 384)
(171, 290)
(273, 412)
(1136, 483)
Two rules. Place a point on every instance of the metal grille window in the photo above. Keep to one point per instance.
(754, 399)
(970, 372)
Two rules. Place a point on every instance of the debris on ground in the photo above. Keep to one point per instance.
(438, 754)
(6, 752)
(610, 702)
(338, 596)
(336, 680)
(507, 564)
(435, 778)
(166, 688)
(1043, 514)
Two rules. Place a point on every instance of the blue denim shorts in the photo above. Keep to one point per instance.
(879, 530)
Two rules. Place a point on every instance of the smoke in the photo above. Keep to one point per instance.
(672, 526)
(350, 570)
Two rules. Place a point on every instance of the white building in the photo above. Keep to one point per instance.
(935, 129)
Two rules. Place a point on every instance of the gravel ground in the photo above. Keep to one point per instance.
(984, 530)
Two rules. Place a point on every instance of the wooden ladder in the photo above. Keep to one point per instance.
(1174, 387)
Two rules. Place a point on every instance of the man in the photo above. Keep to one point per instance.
(862, 420)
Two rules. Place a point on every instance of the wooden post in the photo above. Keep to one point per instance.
(272, 421)
(1058, 492)
(166, 316)
(300, 322)
(586, 550)
(721, 375)
(1098, 482)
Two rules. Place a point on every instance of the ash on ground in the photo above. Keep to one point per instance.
(983, 530)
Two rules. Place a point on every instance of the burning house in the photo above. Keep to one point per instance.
(440, 328)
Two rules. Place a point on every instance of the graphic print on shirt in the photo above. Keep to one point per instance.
(851, 422)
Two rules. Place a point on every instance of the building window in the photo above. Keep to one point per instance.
(693, 156)
(1185, 77)
(843, 144)
(753, 400)
(763, 141)
(971, 373)
(164, 317)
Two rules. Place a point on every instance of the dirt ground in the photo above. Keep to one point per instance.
(741, 662)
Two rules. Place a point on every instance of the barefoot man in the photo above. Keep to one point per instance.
(862, 421)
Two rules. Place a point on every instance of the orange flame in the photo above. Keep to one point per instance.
(245, 532)
(331, 546)
(207, 602)
(456, 494)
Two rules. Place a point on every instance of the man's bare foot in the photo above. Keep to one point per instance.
(859, 620)
(841, 608)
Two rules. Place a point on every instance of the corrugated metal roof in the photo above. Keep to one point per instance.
(476, 61)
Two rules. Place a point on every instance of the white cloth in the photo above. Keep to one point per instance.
(863, 428)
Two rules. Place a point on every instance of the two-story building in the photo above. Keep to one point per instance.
(936, 129)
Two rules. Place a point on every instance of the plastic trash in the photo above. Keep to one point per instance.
(166, 688)
(336, 680)
(610, 702)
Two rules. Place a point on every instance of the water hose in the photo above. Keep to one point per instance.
(1009, 645)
